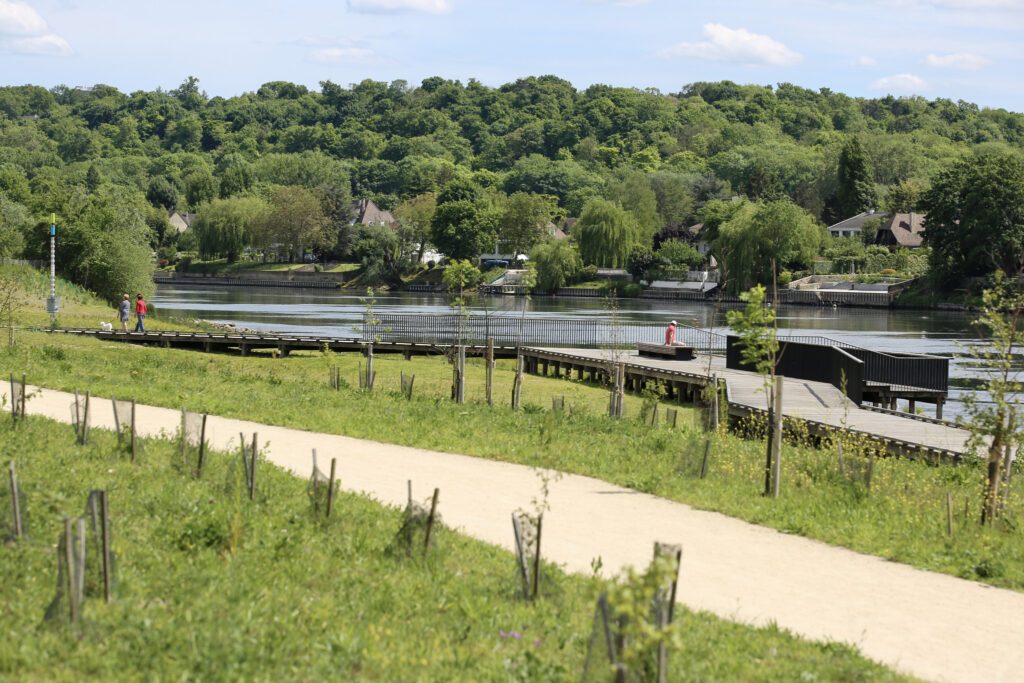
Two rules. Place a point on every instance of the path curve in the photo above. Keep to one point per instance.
(930, 625)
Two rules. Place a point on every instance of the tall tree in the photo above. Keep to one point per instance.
(414, 219)
(761, 235)
(224, 226)
(634, 194)
(462, 227)
(975, 221)
(524, 221)
(557, 263)
(606, 233)
(294, 220)
(856, 191)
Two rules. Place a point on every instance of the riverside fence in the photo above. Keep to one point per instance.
(449, 328)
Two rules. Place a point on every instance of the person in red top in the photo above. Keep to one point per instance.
(670, 334)
(140, 312)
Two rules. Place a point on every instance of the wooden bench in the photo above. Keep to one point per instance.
(665, 352)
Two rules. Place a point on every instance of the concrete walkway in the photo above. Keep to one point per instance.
(931, 625)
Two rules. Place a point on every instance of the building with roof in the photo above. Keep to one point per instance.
(365, 212)
(181, 221)
(854, 226)
(903, 230)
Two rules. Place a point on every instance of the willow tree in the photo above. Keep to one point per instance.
(606, 233)
(760, 236)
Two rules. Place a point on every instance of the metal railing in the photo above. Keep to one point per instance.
(510, 330)
(902, 371)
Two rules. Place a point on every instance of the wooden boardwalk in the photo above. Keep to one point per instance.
(282, 344)
(825, 408)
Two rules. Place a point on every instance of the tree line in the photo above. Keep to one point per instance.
(463, 166)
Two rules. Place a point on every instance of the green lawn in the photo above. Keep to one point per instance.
(210, 586)
(902, 517)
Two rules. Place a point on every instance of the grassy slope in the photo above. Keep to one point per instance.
(902, 519)
(213, 587)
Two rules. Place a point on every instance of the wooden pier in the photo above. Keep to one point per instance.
(283, 344)
(824, 408)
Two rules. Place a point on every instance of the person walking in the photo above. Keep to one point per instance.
(140, 313)
(124, 311)
(670, 334)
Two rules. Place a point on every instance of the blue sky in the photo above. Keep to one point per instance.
(962, 49)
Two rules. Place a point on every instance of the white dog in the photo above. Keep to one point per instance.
(106, 327)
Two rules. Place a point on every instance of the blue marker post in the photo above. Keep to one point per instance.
(51, 302)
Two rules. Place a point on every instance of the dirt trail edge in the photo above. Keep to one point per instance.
(930, 625)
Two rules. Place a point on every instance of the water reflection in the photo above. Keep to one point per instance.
(337, 313)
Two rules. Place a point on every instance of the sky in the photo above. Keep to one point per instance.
(960, 49)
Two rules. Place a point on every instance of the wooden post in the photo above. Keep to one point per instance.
(133, 431)
(330, 485)
(105, 542)
(704, 460)
(949, 514)
(536, 559)
(938, 407)
(202, 448)
(430, 521)
(85, 424)
(490, 370)
(369, 367)
(714, 404)
(69, 559)
(24, 394)
(776, 436)
(517, 383)
(15, 503)
(78, 416)
(252, 469)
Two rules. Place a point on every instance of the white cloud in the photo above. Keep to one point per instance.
(23, 31)
(395, 6)
(959, 60)
(334, 55)
(47, 44)
(738, 45)
(864, 60)
(900, 84)
(19, 19)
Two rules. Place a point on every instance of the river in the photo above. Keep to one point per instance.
(337, 313)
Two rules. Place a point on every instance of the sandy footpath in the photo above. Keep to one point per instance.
(931, 625)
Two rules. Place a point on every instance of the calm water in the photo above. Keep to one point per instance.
(333, 313)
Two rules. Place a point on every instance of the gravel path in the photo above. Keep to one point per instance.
(930, 625)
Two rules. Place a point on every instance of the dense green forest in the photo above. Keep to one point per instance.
(463, 164)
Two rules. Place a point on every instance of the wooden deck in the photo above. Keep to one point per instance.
(283, 344)
(823, 406)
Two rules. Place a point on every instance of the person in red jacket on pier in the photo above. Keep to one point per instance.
(670, 334)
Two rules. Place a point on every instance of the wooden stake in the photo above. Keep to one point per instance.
(369, 367)
(490, 370)
(105, 542)
(133, 430)
(430, 521)
(949, 514)
(85, 425)
(704, 460)
(69, 559)
(202, 448)
(15, 503)
(517, 383)
(536, 559)
(777, 437)
(330, 485)
(252, 469)
(24, 394)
